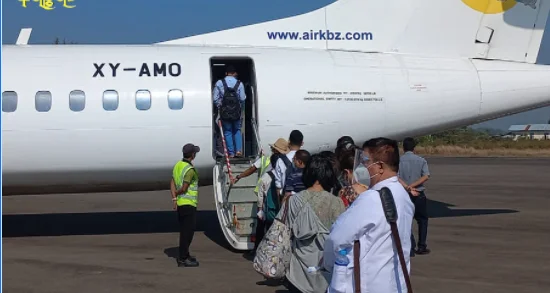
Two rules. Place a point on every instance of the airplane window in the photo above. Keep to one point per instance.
(43, 101)
(110, 100)
(143, 100)
(77, 100)
(9, 101)
(175, 99)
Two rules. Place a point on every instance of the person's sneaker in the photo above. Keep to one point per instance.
(188, 262)
(422, 251)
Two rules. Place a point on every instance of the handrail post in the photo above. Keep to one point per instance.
(225, 151)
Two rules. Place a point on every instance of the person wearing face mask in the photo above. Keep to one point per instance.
(366, 222)
(343, 145)
(352, 182)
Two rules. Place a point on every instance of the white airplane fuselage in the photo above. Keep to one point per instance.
(324, 94)
(115, 117)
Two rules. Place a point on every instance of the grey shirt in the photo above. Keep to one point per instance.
(411, 168)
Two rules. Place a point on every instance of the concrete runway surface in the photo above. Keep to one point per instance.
(489, 232)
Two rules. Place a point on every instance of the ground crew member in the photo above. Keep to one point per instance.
(413, 173)
(262, 164)
(185, 191)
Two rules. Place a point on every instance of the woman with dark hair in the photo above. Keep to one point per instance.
(349, 175)
(331, 156)
(310, 216)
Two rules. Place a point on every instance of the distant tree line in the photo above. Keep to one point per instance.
(457, 136)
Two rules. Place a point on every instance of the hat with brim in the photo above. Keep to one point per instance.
(281, 145)
(190, 149)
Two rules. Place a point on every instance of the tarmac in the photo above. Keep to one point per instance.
(489, 232)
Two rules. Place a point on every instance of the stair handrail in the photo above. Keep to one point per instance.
(257, 138)
(225, 151)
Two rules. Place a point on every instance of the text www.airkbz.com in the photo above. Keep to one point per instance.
(320, 35)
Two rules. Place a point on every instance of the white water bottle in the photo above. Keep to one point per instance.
(339, 274)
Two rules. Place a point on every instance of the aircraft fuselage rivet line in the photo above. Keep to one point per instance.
(154, 69)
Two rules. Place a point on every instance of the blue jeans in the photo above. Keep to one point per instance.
(232, 131)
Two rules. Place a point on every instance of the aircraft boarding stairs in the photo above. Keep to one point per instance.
(239, 203)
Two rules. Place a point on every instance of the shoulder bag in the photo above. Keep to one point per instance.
(390, 211)
(272, 258)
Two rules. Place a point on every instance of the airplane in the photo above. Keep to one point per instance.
(90, 115)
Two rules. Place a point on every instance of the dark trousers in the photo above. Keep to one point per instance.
(290, 287)
(261, 228)
(187, 217)
(421, 217)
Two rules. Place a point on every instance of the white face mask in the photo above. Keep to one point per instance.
(362, 175)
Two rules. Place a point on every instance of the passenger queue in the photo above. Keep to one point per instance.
(330, 222)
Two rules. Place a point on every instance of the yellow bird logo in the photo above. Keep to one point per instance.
(497, 6)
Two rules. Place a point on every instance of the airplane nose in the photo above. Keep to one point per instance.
(508, 87)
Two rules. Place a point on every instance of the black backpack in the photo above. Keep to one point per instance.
(230, 109)
(288, 170)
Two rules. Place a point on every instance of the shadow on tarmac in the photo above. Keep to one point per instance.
(438, 209)
(105, 223)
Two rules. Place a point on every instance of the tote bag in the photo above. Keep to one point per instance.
(272, 258)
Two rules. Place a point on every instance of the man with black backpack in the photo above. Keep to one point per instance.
(229, 97)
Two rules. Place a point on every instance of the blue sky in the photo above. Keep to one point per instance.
(143, 22)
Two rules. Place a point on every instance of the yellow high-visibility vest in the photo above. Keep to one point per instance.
(263, 168)
(191, 196)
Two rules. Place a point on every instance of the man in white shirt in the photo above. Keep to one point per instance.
(365, 221)
(295, 142)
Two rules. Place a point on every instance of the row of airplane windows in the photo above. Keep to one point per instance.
(77, 100)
